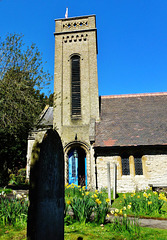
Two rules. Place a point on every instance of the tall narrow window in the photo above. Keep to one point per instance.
(75, 86)
(125, 166)
(138, 166)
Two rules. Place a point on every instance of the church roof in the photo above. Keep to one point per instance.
(132, 120)
(46, 118)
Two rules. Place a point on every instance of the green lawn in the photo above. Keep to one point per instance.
(87, 232)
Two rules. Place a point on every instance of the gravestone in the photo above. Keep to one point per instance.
(46, 195)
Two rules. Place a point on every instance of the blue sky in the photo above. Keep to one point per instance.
(132, 38)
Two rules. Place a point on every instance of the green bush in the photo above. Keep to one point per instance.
(18, 178)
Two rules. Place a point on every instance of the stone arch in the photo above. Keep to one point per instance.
(83, 151)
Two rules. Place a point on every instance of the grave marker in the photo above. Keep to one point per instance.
(46, 195)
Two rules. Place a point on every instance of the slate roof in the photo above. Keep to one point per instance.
(46, 118)
(132, 120)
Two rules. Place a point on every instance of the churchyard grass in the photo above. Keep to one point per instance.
(86, 232)
(86, 212)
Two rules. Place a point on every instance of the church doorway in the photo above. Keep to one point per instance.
(77, 166)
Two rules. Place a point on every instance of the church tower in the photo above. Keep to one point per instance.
(76, 99)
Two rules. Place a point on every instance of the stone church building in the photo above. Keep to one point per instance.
(127, 130)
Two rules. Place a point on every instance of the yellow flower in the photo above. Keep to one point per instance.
(79, 186)
(155, 192)
(68, 202)
(116, 214)
(82, 194)
(129, 206)
(83, 187)
(138, 196)
(125, 215)
(149, 202)
(107, 200)
(120, 212)
(87, 193)
(108, 215)
(130, 203)
(117, 210)
(120, 201)
(150, 188)
(124, 195)
(149, 194)
(96, 191)
(95, 196)
(145, 195)
(98, 201)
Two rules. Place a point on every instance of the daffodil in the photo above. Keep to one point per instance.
(68, 202)
(120, 212)
(98, 201)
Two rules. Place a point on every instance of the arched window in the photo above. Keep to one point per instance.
(75, 87)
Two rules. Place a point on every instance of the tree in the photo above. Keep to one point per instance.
(22, 76)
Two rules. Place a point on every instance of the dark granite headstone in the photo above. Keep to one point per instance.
(46, 196)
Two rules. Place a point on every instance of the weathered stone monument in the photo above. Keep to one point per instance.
(46, 196)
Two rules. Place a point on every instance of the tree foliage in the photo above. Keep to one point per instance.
(22, 76)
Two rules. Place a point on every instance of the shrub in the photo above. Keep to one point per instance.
(19, 177)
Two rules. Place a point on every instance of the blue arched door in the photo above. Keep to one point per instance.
(77, 167)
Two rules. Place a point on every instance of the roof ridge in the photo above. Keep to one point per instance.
(135, 95)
